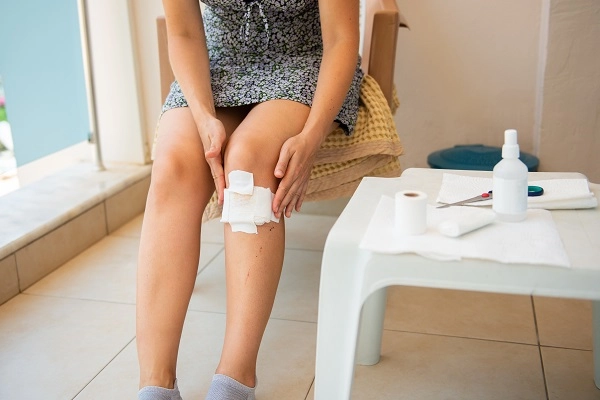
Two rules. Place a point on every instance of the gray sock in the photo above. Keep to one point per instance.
(226, 388)
(159, 393)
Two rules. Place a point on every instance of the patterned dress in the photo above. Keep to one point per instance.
(262, 50)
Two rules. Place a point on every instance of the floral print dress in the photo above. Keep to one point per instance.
(261, 50)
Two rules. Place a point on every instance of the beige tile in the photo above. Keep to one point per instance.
(569, 374)
(307, 232)
(461, 313)
(297, 295)
(106, 272)
(122, 207)
(52, 347)
(132, 228)
(49, 252)
(212, 232)
(564, 322)
(332, 208)
(9, 280)
(417, 366)
(285, 365)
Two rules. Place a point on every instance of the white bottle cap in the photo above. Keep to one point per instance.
(510, 149)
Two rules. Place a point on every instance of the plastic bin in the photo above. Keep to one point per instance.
(475, 157)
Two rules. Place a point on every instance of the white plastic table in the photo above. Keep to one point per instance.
(352, 277)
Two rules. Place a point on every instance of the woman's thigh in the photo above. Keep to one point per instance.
(255, 145)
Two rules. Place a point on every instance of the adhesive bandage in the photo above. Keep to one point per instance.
(246, 206)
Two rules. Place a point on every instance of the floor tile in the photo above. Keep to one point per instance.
(106, 271)
(52, 347)
(297, 295)
(461, 313)
(569, 374)
(212, 232)
(429, 367)
(307, 232)
(564, 322)
(285, 365)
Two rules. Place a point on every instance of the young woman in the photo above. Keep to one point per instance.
(259, 85)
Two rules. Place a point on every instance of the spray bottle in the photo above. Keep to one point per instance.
(510, 182)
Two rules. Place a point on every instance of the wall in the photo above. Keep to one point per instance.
(570, 131)
(468, 69)
(144, 27)
(465, 72)
(117, 84)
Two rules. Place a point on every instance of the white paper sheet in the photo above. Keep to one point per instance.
(533, 241)
(558, 193)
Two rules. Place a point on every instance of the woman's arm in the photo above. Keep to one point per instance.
(189, 60)
(340, 31)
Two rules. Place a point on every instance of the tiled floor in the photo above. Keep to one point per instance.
(72, 335)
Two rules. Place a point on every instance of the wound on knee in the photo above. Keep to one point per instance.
(246, 206)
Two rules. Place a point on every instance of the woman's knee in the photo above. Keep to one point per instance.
(252, 153)
(179, 175)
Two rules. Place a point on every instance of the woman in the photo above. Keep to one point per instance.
(259, 85)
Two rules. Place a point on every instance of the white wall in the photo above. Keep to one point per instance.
(465, 72)
(144, 28)
(117, 87)
(469, 69)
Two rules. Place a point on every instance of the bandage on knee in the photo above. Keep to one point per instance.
(246, 206)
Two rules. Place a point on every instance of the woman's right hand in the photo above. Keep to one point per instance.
(213, 136)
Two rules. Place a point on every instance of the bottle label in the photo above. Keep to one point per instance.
(509, 196)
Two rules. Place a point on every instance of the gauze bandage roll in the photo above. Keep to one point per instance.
(246, 206)
(411, 212)
(459, 225)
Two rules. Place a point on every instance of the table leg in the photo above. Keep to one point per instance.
(337, 324)
(596, 335)
(371, 328)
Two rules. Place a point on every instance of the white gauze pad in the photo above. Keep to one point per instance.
(246, 206)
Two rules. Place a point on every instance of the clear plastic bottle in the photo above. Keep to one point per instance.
(510, 182)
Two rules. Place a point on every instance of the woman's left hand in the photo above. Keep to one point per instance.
(295, 162)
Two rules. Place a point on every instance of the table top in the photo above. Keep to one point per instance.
(579, 230)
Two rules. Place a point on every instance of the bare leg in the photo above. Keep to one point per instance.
(170, 243)
(253, 262)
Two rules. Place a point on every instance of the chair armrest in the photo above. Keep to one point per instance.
(383, 20)
(166, 73)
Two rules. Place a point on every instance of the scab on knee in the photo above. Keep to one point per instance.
(246, 206)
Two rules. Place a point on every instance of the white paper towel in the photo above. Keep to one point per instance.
(410, 212)
(533, 241)
(558, 193)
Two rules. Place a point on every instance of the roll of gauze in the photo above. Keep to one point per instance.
(246, 206)
(411, 212)
(459, 225)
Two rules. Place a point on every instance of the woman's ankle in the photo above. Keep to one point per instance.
(246, 379)
(166, 381)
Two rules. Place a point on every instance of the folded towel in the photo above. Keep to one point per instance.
(558, 193)
(533, 241)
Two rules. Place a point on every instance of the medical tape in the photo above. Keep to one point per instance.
(246, 206)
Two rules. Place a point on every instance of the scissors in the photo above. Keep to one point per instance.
(532, 191)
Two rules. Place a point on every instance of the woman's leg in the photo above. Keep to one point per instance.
(253, 262)
(180, 188)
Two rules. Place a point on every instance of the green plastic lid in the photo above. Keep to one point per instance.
(475, 157)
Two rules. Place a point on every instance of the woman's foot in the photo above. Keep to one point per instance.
(226, 388)
(159, 393)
